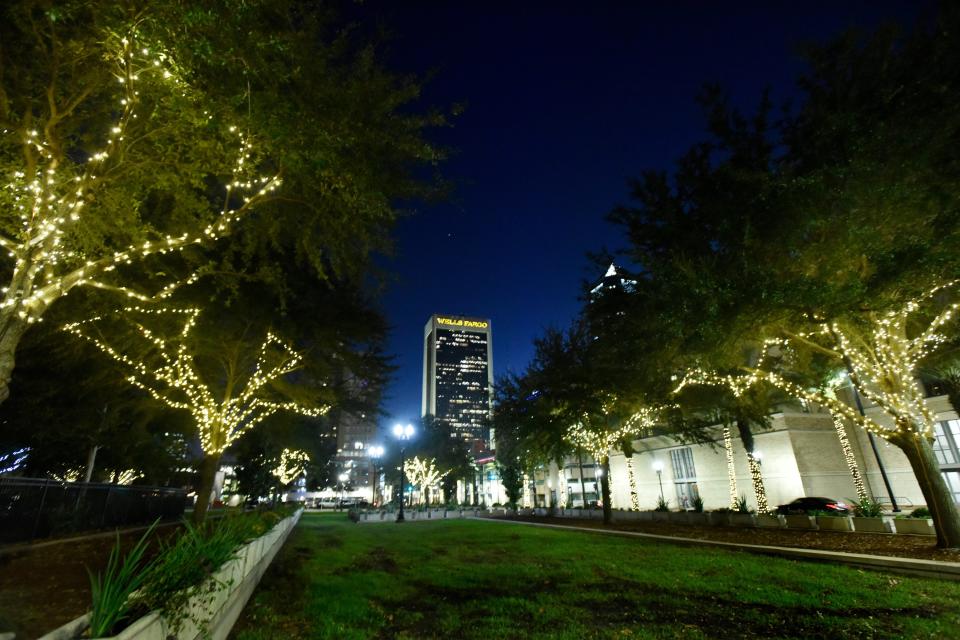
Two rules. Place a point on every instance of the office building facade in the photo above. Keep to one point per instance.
(458, 375)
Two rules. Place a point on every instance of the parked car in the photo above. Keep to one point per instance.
(802, 506)
(326, 503)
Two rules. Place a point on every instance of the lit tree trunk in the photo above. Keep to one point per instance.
(208, 473)
(851, 459)
(731, 467)
(605, 489)
(756, 476)
(759, 491)
(11, 330)
(91, 459)
(631, 477)
(939, 499)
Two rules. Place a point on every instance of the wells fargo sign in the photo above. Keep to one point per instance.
(462, 322)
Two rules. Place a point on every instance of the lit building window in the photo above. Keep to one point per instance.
(684, 476)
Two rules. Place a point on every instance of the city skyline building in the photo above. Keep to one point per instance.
(458, 376)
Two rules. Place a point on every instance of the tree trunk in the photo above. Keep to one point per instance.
(851, 459)
(91, 459)
(11, 330)
(759, 491)
(756, 476)
(605, 489)
(731, 468)
(583, 490)
(208, 473)
(939, 499)
(632, 478)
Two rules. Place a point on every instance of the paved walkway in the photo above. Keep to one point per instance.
(908, 566)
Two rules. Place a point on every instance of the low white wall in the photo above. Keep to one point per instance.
(372, 517)
(240, 575)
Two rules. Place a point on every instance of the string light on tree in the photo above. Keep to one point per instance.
(731, 469)
(423, 473)
(57, 202)
(292, 463)
(850, 458)
(632, 478)
(175, 380)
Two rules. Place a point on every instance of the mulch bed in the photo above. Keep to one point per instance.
(879, 544)
(45, 587)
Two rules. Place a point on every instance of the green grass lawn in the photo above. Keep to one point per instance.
(479, 579)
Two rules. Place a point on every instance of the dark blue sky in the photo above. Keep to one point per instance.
(565, 102)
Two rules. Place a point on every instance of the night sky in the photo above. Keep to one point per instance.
(565, 102)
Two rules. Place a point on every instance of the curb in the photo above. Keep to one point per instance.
(907, 566)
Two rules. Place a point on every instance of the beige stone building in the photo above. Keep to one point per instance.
(801, 455)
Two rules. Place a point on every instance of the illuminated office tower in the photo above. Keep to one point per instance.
(458, 375)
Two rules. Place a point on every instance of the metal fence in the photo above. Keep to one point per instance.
(33, 508)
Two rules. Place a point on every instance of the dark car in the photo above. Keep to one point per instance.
(802, 506)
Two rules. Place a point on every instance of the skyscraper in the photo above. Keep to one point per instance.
(458, 375)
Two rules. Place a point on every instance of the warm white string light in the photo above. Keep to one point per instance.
(423, 473)
(177, 381)
(632, 479)
(292, 463)
(731, 468)
(51, 198)
(882, 360)
(850, 458)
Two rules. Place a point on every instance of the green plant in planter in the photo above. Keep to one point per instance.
(662, 505)
(697, 504)
(742, 505)
(110, 591)
(185, 566)
(866, 508)
(920, 512)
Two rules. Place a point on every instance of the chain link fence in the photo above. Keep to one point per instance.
(33, 508)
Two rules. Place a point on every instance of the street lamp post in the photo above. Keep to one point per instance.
(375, 454)
(658, 467)
(402, 433)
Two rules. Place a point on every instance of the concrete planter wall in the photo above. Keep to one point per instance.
(916, 526)
(372, 517)
(628, 516)
(241, 575)
(835, 523)
(742, 520)
(871, 525)
(661, 516)
(767, 521)
(540, 511)
(699, 519)
(678, 517)
(800, 522)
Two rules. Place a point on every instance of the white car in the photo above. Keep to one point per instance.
(326, 503)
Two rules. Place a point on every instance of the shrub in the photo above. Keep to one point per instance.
(697, 504)
(185, 565)
(662, 505)
(920, 512)
(742, 506)
(110, 591)
(866, 508)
